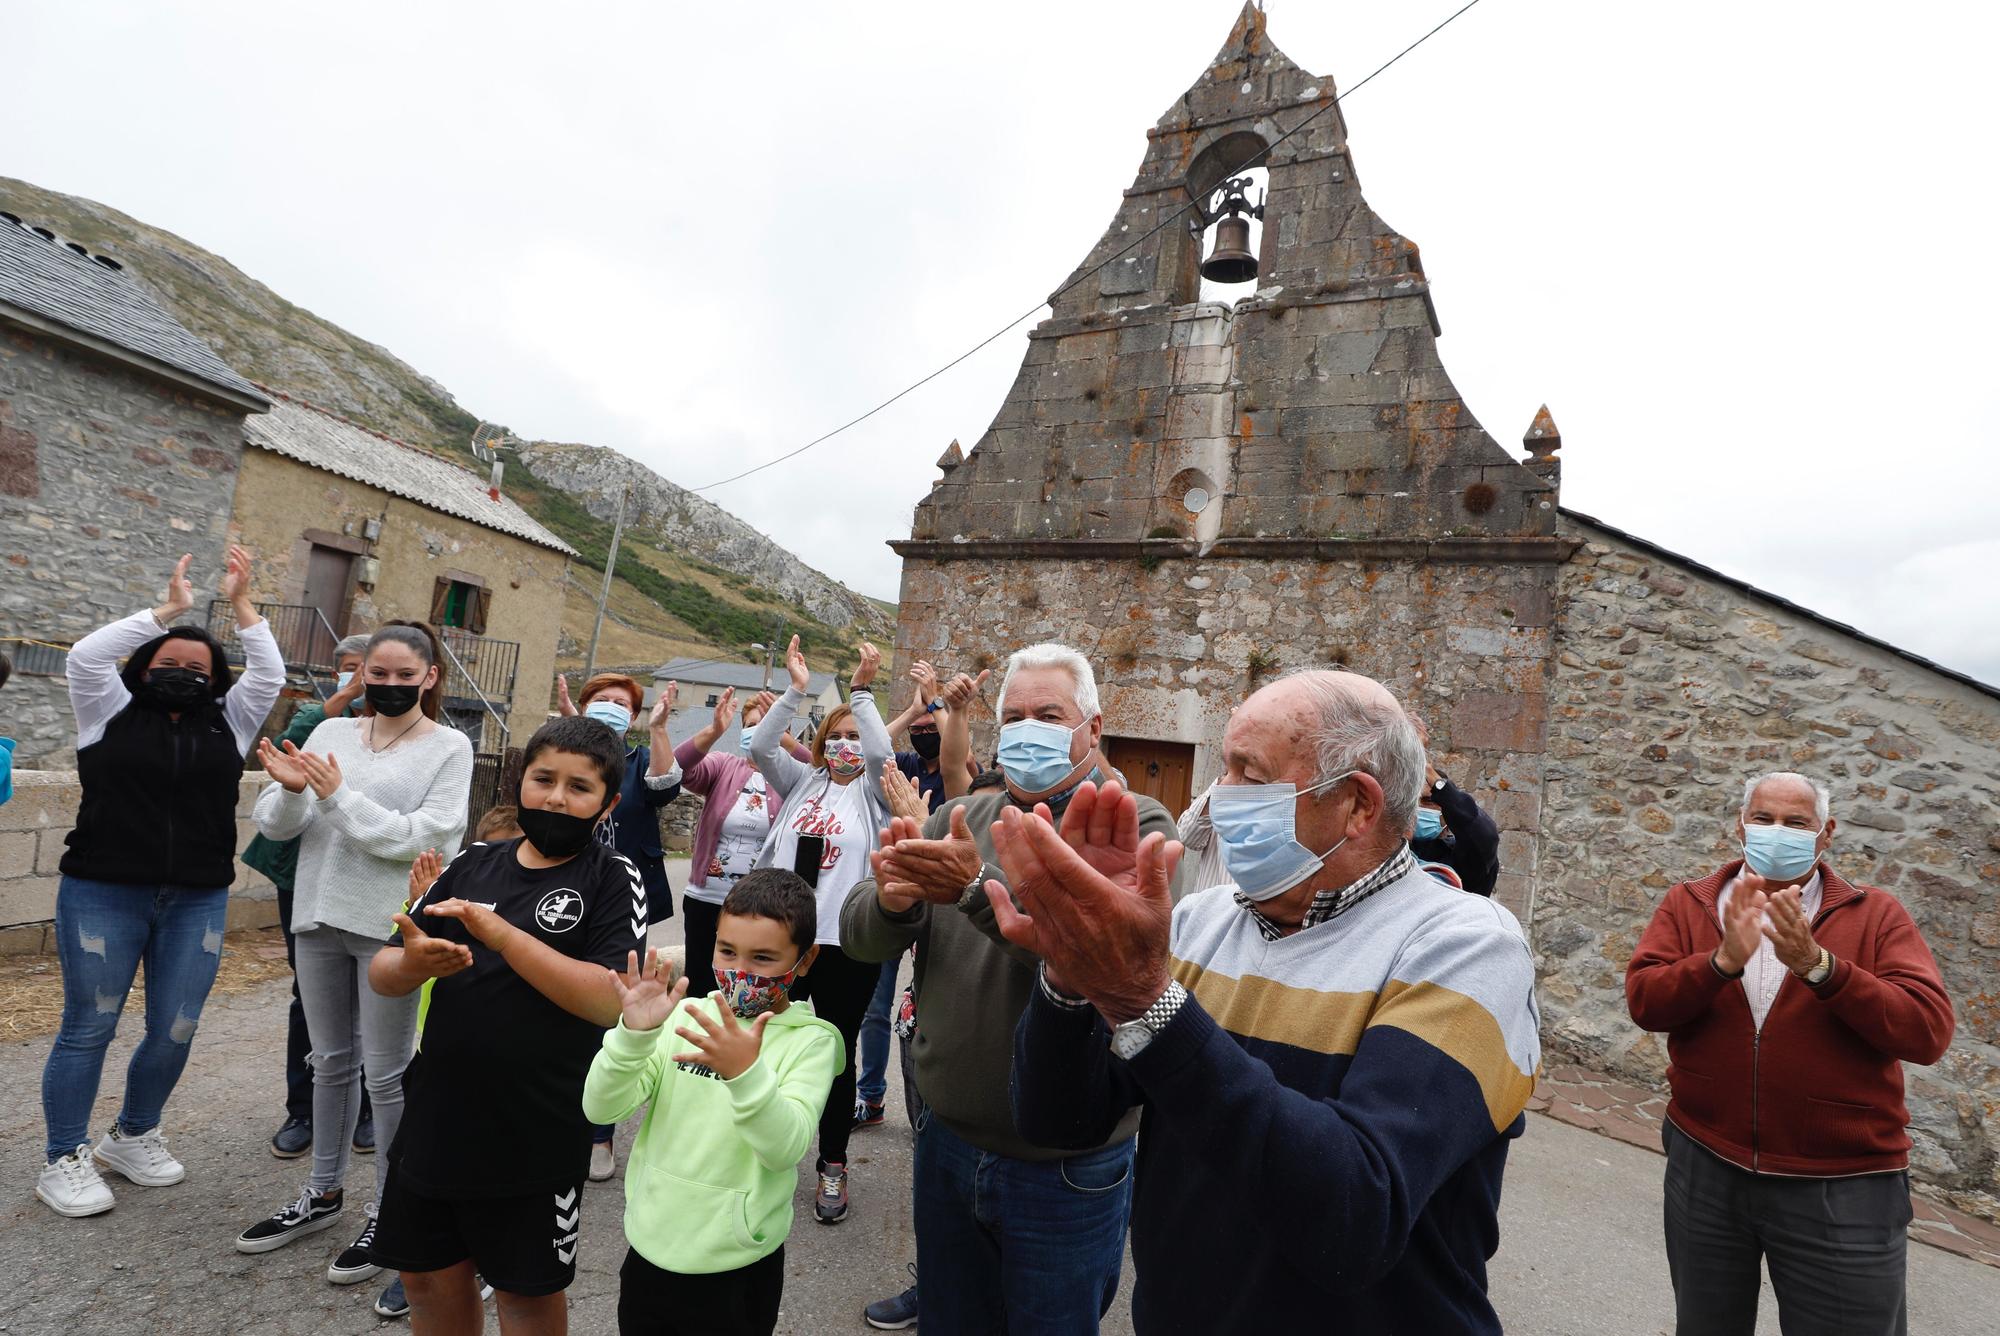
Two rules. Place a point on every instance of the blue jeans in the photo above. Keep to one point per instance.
(103, 931)
(1021, 1247)
(873, 1083)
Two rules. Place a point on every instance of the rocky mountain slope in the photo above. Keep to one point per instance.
(573, 488)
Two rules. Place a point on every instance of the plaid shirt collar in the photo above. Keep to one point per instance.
(1332, 904)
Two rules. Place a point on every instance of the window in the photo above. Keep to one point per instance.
(713, 700)
(460, 603)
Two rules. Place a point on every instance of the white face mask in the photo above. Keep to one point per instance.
(1258, 827)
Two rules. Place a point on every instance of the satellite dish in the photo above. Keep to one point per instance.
(488, 440)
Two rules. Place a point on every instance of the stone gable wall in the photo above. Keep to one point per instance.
(106, 477)
(1668, 690)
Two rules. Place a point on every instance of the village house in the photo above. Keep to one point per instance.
(1203, 494)
(702, 682)
(352, 529)
(121, 434)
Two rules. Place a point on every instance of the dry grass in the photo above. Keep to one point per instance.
(31, 986)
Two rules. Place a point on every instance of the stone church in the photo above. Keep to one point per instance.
(1201, 496)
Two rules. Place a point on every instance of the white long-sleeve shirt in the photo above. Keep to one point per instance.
(97, 694)
(356, 846)
(1764, 973)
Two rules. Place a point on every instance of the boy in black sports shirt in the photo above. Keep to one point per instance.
(512, 943)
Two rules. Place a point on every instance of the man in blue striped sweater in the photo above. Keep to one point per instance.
(1333, 1050)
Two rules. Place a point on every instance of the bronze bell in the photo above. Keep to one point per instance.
(1231, 261)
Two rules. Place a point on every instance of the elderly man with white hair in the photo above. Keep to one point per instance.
(1333, 1050)
(1790, 1000)
(1012, 1237)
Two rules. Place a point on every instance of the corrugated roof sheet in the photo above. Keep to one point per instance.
(742, 676)
(45, 277)
(325, 441)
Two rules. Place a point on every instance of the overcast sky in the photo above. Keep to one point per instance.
(1744, 252)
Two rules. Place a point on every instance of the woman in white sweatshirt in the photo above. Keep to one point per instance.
(365, 797)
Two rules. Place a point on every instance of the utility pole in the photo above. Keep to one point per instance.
(604, 594)
(771, 651)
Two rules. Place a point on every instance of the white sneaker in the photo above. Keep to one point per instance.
(603, 1161)
(71, 1186)
(143, 1159)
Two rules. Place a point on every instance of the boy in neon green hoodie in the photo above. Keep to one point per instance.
(733, 1109)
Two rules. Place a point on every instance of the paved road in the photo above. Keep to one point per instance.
(1580, 1254)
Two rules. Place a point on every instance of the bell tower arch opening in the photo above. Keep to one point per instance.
(1226, 180)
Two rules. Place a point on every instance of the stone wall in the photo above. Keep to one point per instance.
(1670, 688)
(280, 500)
(106, 477)
(33, 826)
(1179, 644)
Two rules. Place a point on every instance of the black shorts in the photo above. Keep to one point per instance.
(523, 1245)
(744, 1302)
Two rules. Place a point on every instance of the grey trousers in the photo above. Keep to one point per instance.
(1837, 1247)
(354, 1030)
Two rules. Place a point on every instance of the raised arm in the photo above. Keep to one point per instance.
(1477, 838)
(955, 762)
(876, 748)
(256, 690)
(781, 770)
(96, 694)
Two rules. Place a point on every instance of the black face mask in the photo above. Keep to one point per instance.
(558, 834)
(925, 744)
(173, 689)
(392, 700)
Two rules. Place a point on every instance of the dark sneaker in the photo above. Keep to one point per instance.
(294, 1139)
(830, 1205)
(392, 1302)
(311, 1213)
(894, 1314)
(364, 1135)
(867, 1113)
(354, 1265)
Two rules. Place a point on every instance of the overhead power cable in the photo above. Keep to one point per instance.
(1165, 222)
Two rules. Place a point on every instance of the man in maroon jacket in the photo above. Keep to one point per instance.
(1790, 999)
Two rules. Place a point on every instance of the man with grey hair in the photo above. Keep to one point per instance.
(1333, 1050)
(1011, 1236)
(1791, 1152)
(279, 860)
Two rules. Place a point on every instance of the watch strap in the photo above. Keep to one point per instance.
(1821, 972)
(1066, 1003)
(1129, 1039)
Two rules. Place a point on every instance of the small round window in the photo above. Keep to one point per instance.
(1195, 499)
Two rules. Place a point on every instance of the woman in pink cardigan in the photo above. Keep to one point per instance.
(736, 817)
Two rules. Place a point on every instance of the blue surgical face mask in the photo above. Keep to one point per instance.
(1430, 823)
(609, 713)
(744, 739)
(1779, 852)
(1258, 827)
(1035, 754)
(345, 678)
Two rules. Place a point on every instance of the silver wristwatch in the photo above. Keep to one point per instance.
(973, 897)
(1130, 1039)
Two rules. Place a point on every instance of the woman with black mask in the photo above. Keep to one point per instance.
(159, 755)
(365, 796)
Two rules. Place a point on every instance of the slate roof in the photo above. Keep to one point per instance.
(742, 676)
(62, 289)
(326, 441)
(1744, 586)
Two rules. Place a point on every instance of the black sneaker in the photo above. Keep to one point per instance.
(354, 1265)
(311, 1213)
(364, 1134)
(294, 1139)
(392, 1302)
(867, 1113)
(894, 1314)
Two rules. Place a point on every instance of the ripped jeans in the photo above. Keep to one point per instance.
(103, 930)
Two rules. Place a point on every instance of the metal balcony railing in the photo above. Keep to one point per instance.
(304, 636)
(477, 668)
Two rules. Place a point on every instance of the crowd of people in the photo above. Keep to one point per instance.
(1282, 1040)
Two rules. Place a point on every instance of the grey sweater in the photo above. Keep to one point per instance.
(972, 985)
(356, 847)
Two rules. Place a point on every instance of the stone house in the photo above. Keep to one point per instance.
(121, 434)
(1202, 495)
(353, 528)
(702, 682)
